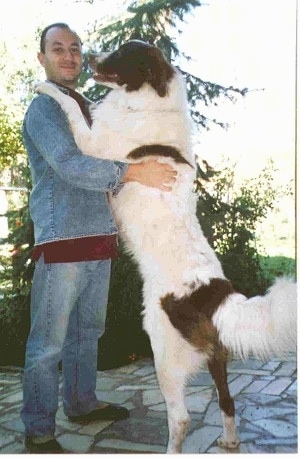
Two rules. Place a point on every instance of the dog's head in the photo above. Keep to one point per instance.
(132, 65)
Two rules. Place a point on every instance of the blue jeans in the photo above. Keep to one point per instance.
(68, 311)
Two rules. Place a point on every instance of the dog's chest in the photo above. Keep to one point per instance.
(131, 121)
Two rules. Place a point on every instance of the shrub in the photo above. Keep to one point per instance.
(229, 215)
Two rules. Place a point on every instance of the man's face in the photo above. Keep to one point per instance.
(62, 59)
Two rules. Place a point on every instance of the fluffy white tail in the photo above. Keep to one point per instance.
(263, 326)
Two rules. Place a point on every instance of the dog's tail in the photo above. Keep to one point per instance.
(263, 326)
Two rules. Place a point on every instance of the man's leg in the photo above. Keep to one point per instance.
(86, 325)
(55, 290)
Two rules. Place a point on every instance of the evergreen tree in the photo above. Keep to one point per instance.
(154, 21)
(16, 268)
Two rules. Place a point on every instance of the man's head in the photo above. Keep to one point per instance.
(61, 54)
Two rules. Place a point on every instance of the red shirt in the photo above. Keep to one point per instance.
(76, 250)
(79, 249)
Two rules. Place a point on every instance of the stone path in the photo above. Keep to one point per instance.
(265, 398)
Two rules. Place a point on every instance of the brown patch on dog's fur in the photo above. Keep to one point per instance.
(217, 368)
(158, 150)
(192, 315)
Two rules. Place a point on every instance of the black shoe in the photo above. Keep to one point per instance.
(50, 446)
(109, 412)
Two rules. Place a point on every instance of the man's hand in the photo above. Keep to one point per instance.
(152, 173)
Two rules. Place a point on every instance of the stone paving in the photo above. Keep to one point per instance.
(265, 398)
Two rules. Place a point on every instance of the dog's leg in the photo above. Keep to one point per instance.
(172, 387)
(90, 141)
(217, 368)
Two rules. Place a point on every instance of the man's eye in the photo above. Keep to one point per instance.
(58, 50)
(75, 50)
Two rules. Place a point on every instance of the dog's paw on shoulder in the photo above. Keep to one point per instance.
(42, 87)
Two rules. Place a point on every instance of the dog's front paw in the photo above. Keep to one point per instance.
(228, 443)
(41, 87)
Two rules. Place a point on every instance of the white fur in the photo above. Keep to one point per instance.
(263, 326)
(161, 231)
(229, 438)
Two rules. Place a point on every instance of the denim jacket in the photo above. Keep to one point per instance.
(69, 195)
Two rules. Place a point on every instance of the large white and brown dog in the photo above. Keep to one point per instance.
(192, 314)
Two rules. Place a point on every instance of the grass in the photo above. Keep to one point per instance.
(277, 266)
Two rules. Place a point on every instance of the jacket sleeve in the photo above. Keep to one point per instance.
(46, 125)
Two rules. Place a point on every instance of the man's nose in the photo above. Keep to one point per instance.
(68, 54)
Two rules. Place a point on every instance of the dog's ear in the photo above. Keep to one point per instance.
(160, 71)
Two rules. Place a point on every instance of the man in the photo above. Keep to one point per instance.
(75, 240)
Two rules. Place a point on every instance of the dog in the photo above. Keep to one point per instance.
(192, 314)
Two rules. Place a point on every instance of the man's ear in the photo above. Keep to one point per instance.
(41, 58)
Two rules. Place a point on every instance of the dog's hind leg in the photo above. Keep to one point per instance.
(172, 385)
(217, 368)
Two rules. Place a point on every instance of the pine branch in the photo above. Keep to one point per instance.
(152, 21)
